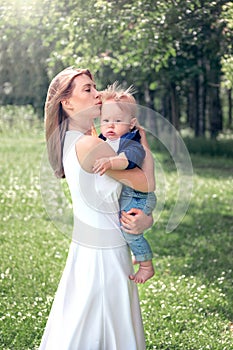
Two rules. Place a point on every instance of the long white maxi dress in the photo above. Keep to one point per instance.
(96, 306)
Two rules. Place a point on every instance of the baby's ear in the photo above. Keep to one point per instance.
(133, 122)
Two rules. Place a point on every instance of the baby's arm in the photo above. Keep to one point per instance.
(119, 162)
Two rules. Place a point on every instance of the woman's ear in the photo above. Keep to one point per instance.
(66, 104)
(133, 122)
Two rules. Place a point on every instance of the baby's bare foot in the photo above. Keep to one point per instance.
(146, 271)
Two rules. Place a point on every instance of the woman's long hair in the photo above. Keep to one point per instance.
(56, 119)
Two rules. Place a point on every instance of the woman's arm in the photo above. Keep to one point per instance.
(135, 178)
(89, 149)
(148, 164)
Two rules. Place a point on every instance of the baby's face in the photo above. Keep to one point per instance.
(114, 121)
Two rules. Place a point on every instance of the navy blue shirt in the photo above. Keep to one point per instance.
(132, 148)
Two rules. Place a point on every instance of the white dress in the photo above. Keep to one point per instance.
(96, 306)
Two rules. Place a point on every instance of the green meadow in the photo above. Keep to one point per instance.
(187, 305)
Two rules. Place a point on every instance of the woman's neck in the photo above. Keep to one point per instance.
(75, 126)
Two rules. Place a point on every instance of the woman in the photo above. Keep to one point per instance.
(96, 306)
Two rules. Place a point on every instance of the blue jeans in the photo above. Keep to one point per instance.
(146, 202)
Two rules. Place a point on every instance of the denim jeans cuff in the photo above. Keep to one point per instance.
(144, 257)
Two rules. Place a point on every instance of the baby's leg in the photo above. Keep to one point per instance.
(142, 255)
(145, 272)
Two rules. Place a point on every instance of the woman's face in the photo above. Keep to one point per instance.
(84, 101)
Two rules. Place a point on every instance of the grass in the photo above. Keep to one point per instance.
(187, 305)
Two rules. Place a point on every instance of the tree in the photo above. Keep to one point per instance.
(227, 59)
(174, 52)
(24, 55)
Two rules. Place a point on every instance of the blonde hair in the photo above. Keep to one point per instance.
(123, 97)
(56, 119)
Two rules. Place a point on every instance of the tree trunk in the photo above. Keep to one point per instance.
(201, 99)
(190, 109)
(215, 109)
(149, 118)
(174, 107)
(229, 108)
(196, 114)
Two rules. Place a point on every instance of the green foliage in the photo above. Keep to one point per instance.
(174, 52)
(20, 120)
(188, 303)
(227, 59)
(203, 146)
(23, 78)
(223, 146)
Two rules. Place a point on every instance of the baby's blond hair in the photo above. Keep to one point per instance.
(123, 97)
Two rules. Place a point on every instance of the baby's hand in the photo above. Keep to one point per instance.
(101, 165)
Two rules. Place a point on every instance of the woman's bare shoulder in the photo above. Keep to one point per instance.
(87, 142)
(89, 149)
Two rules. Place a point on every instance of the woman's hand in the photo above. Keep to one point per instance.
(135, 221)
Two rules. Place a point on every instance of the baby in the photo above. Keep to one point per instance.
(118, 120)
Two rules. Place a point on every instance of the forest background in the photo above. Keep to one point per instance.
(177, 54)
